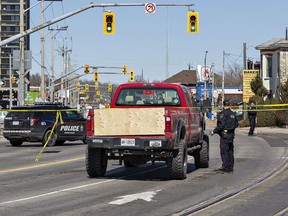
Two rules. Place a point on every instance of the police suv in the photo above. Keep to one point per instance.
(34, 123)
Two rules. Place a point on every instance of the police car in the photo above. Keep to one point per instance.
(34, 123)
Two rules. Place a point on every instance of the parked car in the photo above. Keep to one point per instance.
(34, 123)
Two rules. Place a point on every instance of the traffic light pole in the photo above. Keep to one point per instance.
(65, 16)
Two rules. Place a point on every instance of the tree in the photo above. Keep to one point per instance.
(35, 79)
(257, 87)
(284, 93)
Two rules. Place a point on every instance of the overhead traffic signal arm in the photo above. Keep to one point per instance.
(109, 23)
(193, 22)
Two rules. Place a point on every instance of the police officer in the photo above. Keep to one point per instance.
(252, 117)
(226, 125)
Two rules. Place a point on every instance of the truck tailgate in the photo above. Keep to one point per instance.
(129, 121)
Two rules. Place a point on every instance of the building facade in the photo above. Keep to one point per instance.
(274, 64)
(10, 25)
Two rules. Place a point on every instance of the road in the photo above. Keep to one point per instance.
(58, 184)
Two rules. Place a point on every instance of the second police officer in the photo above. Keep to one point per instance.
(226, 125)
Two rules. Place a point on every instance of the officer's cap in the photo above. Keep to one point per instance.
(226, 103)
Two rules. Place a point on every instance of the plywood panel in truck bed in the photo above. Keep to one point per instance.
(129, 121)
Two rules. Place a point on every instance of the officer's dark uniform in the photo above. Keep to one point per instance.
(226, 124)
(252, 118)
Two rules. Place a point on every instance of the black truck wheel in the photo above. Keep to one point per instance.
(96, 162)
(177, 165)
(53, 138)
(201, 157)
(16, 143)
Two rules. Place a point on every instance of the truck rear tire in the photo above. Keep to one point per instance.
(96, 162)
(201, 157)
(177, 166)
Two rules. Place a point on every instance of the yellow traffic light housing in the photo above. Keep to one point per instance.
(86, 68)
(96, 76)
(193, 22)
(109, 23)
(96, 86)
(13, 80)
(78, 86)
(109, 88)
(124, 69)
(98, 93)
(86, 87)
(131, 78)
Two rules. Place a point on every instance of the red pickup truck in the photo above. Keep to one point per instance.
(147, 122)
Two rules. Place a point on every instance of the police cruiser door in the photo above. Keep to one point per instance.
(74, 125)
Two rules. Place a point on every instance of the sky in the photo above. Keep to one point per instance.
(145, 41)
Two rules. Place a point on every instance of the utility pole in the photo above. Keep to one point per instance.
(212, 89)
(244, 56)
(64, 73)
(52, 59)
(223, 74)
(205, 81)
(42, 57)
(21, 82)
(10, 81)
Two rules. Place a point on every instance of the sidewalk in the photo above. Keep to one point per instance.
(258, 130)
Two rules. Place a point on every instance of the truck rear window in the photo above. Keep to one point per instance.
(148, 97)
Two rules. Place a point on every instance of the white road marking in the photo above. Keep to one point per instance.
(146, 196)
(55, 192)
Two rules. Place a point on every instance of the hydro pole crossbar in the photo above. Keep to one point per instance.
(92, 5)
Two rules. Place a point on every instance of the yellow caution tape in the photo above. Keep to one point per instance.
(53, 128)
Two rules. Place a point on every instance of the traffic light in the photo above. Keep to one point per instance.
(78, 85)
(86, 87)
(96, 86)
(98, 93)
(86, 68)
(192, 22)
(109, 23)
(124, 69)
(131, 76)
(110, 88)
(13, 79)
(96, 76)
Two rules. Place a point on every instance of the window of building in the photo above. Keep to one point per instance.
(268, 65)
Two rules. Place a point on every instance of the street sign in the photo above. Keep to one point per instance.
(2, 82)
(150, 8)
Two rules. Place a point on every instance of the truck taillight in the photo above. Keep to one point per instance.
(33, 121)
(168, 122)
(90, 123)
